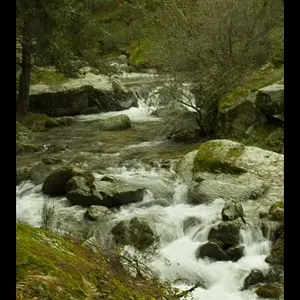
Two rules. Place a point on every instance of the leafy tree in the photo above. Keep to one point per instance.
(49, 32)
(212, 44)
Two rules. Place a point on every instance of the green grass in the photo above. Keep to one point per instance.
(52, 267)
(253, 82)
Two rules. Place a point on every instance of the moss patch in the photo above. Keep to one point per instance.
(48, 77)
(266, 136)
(212, 156)
(270, 290)
(52, 267)
(253, 82)
(37, 122)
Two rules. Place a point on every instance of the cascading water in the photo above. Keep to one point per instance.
(175, 260)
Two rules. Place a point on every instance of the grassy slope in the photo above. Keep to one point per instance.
(52, 267)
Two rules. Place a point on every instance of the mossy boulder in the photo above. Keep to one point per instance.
(232, 210)
(270, 291)
(53, 267)
(276, 212)
(236, 120)
(219, 156)
(96, 213)
(226, 232)
(270, 100)
(276, 257)
(51, 123)
(266, 136)
(134, 232)
(37, 122)
(54, 185)
(120, 122)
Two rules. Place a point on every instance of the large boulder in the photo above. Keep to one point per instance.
(219, 156)
(236, 120)
(257, 173)
(209, 190)
(276, 212)
(133, 232)
(76, 95)
(213, 250)
(232, 211)
(54, 185)
(120, 122)
(99, 192)
(255, 277)
(217, 250)
(226, 232)
(270, 100)
(186, 165)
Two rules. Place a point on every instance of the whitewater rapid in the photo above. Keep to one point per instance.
(175, 260)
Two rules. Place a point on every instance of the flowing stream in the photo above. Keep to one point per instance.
(175, 259)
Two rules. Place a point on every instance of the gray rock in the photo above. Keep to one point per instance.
(270, 100)
(226, 232)
(70, 98)
(95, 213)
(210, 190)
(255, 277)
(134, 232)
(54, 185)
(104, 193)
(235, 253)
(232, 211)
(213, 250)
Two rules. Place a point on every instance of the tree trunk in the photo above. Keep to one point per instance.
(24, 84)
